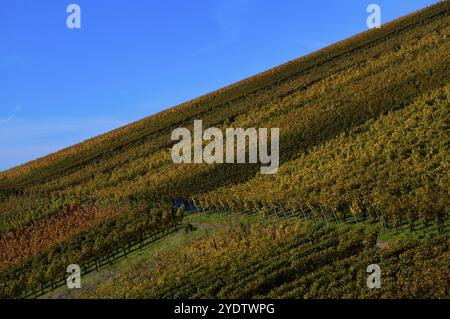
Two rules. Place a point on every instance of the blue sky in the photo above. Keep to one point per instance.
(131, 59)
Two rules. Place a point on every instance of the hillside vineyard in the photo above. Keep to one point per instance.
(363, 149)
(235, 146)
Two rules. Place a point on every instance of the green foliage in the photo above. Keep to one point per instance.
(395, 168)
(294, 260)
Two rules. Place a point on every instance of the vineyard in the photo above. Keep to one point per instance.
(311, 262)
(289, 258)
(265, 214)
(363, 174)
(364, 140)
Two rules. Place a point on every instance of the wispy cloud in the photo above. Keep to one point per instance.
(22, 140)
(7, 119)
(308, 43)
(24, 129)
(136, 92)
(230, 18)
(16, 109)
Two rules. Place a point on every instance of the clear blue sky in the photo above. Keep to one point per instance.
(131, 59)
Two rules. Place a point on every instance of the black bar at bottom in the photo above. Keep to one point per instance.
(223, 308)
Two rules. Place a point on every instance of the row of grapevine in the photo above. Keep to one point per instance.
(317, 213)
(107, 240)
(297, 260)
